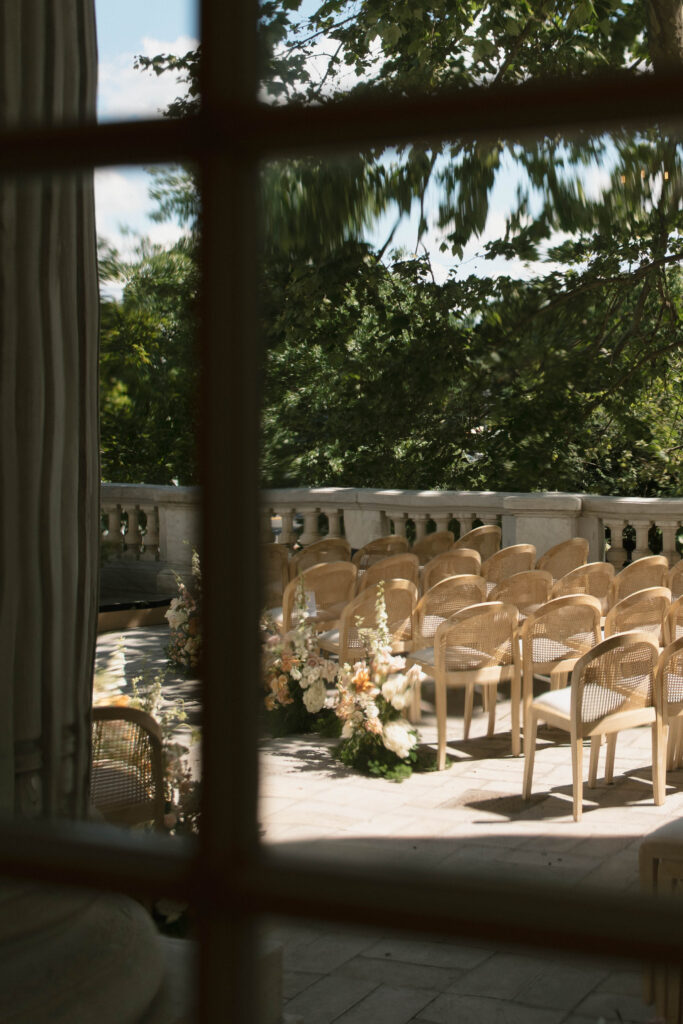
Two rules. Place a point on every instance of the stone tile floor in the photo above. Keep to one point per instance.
(470, 815)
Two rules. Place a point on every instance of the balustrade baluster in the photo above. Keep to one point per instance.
(114, 539)
(150, 538)
(669, 532)
(132, 538)
(442, 520)
(465, 524)
(617, 553)
(642, 528)
(287, 531)
(310, 531)
(334, 523)
(420, 525)
(400, 521)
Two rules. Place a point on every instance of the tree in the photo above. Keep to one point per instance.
(375, 374)
(148, 369)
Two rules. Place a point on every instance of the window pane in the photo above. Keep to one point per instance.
(314, 52)
(130, 36)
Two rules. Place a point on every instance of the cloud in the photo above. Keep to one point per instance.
(122, 208)
(126, 93)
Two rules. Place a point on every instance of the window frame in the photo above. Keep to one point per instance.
(230, 878)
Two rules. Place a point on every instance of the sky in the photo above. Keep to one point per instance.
(127, 28)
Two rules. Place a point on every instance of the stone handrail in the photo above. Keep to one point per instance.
(153, 530)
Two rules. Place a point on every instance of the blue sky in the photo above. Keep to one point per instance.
(126, 28)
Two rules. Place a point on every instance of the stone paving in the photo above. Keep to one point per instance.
(471, 815)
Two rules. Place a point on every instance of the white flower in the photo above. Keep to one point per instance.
(396, 691)
(314, 697)
(348, 729)
(399, 738)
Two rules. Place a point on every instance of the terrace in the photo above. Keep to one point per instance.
(470, 817)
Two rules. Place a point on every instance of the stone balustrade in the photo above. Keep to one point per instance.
(149, 532)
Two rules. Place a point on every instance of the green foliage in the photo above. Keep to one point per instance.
(148, 367)
(367, 754)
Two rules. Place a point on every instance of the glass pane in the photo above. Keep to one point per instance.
(148, 651)
(314, 52)
(331, 973)
(131, 83)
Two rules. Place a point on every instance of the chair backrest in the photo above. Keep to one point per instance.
(670, 674)
(454, 562)
(444, 599)
(672, 627)
(400, 599)
(563, 557)
(526, 590)
(275, 573)
(644, 611)
(332, 585)
(484, 539)
(565, 627)
(593, 578)
(674, 580)
(127, 779)
(476, 638)
(507, 562)
(396, 567)
(329, 549)
(645, 572)
(378, 549)
(433, 544)
(617, 675)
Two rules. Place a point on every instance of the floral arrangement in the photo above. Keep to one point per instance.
(372, 696)
(181, 790)
(184, 618)
(295, 675)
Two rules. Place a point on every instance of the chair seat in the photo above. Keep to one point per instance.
(558, 702)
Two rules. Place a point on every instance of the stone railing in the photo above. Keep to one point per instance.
(618, 529)
(149, 532)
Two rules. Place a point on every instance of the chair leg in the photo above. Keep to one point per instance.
(440, 701)
(415, 706)
(577, 777)
(492, 692)
(659, 742)
(530, 728)
(596, 744)
(469, 702)
(515, 699)
(609, 759)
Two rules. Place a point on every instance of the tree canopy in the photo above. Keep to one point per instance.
(377, 374)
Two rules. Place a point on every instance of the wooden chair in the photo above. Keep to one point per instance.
(329, 549)
(484, 539)
(612, 688)
(563, 557)
(328, 586)
(455, 562)
(670, 675)
(507, 562)
(644, 610)
(594, 578)
(674, 580)
(563, 629)
(672, 627)
(473, 647)
(275, 573)
(435, 606)
(527, 591)
(660, 859)
(127, 776)
(395, 567)
(378, 549)
(645, 572)
(400, 597)
(433, 544)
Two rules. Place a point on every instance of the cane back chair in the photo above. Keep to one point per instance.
(612, 688)
(594, 578)
(563, 557)
(484, 539)
(432, 544)
(527, 591)
(507, 562)
(644, 610)
(329, 549)
(378, 549)
(400, 598)
(127, 780)
(455, 562)
(645, 572)
(328, 588)
(404, 566)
